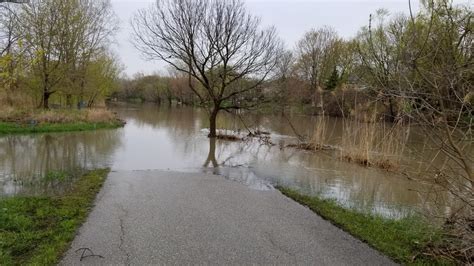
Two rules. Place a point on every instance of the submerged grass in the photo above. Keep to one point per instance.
(38, 230)
(404, 240)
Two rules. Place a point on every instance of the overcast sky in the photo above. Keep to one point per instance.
(291, 18)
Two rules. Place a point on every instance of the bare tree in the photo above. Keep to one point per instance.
(285, 65)
(179, 86)
(216, 42)
(283, 73)
(380, 51)
(313, 51)
(10, 54)
(7, 30)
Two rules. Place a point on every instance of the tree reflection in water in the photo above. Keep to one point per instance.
(25, 160)
(211, 157)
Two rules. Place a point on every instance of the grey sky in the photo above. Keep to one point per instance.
(291, 18)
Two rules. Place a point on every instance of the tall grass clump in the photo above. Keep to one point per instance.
(56, 116)
(319, 138)
(374, 144)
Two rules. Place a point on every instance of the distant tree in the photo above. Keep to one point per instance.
(283, 74)
(179, 87)
(380, 47)
(285, 64)
(216, 43)
(89, 27)
(101, 78)
(11, 52)
(313, 54)
(333, 80)
(8, 36)
(343, 57)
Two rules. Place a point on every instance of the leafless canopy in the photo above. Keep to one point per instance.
(217, 43)
(313, 50)
(200, 36)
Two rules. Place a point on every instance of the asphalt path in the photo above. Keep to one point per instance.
(164, 217)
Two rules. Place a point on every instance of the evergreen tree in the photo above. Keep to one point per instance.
(333, 80)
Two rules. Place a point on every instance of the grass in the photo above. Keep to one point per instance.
(38, 230)
(18, 128)
(371, 144)
(375, 144)
(14, 120)
(403, 240)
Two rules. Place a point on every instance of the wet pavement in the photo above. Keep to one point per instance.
(164, 217)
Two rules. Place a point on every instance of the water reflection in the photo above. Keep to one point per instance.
(211, 157)
(26, 159)
(172, 138)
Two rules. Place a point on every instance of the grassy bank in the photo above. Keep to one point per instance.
(37, 230)
(14, 121)
(403, 240)
(18, 128)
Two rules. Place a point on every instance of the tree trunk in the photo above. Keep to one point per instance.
(81, 95)
(69, 101)
(46, 92)
(46, 100)
(212, 123)
(392, 111)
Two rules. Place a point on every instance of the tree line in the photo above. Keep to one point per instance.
(155, 88)
(387, 68)
(54, 49)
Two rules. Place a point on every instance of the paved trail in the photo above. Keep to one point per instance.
(161, 217)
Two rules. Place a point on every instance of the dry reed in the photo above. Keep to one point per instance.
(99, 115)
(374, 144)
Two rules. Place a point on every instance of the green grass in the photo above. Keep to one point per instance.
(15, 128)
(38, 230)
(403, 240)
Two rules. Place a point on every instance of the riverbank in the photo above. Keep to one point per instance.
(14, 121)
(404, 240)
(37, 230)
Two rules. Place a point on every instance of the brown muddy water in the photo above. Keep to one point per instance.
(175, 138)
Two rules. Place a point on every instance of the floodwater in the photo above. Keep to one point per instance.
(175, 138)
